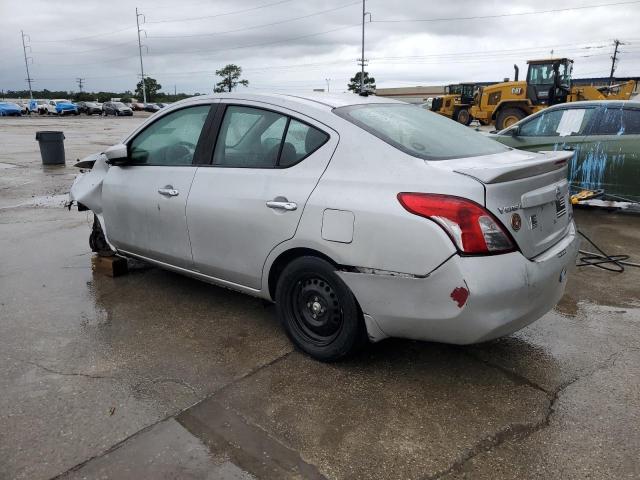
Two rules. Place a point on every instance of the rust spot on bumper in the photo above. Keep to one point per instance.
(460, 296)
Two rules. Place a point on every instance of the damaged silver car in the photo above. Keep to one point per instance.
(360, 217)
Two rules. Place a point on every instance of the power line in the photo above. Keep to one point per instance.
(251, 9)
(257, 26)
(500, 15)
(66, 52)
(261, 44)
(84, 38)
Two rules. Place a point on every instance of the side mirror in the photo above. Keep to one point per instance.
(515, 131)
(117, 154)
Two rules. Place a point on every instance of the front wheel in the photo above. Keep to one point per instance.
(318, 311)
(463, 116)
(508, 116)
(97, 240)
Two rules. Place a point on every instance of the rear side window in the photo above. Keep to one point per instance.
(610, 122)
(631, 122)
(419, 132)
(558, 123)
(256, 138)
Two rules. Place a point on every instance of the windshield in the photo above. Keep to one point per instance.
(119, 104)
(541, 74)
(419, 132)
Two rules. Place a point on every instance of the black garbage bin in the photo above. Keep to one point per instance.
(51, 147)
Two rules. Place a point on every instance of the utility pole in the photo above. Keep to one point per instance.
(362, 59)
(175, 90)
(614, 59)
(328, 80)
(80, 83)
(26, 61)
(144, 89)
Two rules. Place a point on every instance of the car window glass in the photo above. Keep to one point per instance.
(631, 122)
(172, 139)
(249, 137)
(558, 123)
(419, 132)
(610, 122)
(301, 140)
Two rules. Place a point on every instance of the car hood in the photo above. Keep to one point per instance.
(9, 107)
(65, 105)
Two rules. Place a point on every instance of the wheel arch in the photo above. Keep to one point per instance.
(284, 258)
(521, 105)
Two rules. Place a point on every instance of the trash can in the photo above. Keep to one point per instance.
(51, 147)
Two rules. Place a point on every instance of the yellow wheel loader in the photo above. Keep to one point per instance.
(455, 103)
(548, 83)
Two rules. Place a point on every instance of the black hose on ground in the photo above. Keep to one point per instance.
(602, 259)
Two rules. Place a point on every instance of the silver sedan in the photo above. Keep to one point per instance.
(360, 217)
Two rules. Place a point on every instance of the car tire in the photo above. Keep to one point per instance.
(508, 116)
(318, 311)
(97, 240)
(463, 116)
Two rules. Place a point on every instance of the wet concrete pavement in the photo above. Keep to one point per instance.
(154, 375)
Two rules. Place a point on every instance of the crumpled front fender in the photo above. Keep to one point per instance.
(87, 187)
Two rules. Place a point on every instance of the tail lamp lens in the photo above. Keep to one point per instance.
(471, 227)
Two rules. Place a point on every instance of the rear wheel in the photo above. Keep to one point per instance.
(318, 311)
(463, 116)
(508, 116)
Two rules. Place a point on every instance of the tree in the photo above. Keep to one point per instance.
(151, 85)
(230, 78)
(354, 83)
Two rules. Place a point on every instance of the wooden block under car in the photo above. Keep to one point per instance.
(113, 266)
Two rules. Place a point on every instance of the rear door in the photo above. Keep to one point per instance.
(145, 200)
(612, 153)
(265, 165)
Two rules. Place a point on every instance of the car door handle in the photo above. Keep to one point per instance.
(569, 148)
(282, 205)
(168, 191)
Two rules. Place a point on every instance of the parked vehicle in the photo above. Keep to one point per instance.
(39, 106)
(61, 107)
(90, 108)
(10, 109)
(604, 137)
(549, 82)
(151, 107)
(116, 108)
(137, 106)
(359, 216)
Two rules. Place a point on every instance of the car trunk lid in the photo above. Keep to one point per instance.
(524, 186)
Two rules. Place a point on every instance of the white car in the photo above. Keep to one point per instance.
(61, 107)
(361, 217)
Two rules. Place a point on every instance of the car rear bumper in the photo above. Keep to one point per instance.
(467, 299)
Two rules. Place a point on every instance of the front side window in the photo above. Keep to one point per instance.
(558, 123)
(171, 140)
(541, 74)
(255, 138)
(419, 132)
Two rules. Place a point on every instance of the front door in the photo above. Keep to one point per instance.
(265, 165)
(145, 200)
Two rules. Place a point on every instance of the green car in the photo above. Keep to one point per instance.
(604, 136)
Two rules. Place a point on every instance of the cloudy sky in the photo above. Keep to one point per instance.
(296, 45)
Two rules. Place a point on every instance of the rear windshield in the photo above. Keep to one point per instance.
(419, 132)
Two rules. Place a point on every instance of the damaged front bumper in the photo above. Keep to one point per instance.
(467, 299)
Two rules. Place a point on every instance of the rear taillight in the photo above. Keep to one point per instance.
(471, 227)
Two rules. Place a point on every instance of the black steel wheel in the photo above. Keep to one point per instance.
(318, 311)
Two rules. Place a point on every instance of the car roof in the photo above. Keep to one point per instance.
(597, 103)
(318, 100)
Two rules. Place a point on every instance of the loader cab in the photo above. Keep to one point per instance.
(467, 91)
(549, 81)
